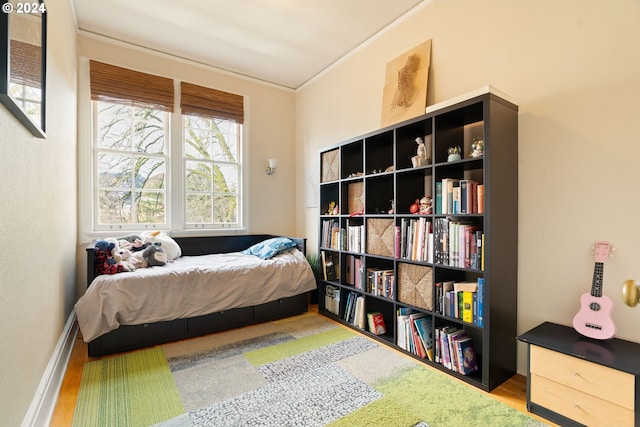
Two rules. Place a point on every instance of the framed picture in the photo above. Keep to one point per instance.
(405, 89)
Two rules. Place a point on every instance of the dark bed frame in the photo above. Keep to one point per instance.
(131, 337)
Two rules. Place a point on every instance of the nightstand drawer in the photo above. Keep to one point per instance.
(577, 405)
(580, 375)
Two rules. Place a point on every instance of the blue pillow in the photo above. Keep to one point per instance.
(270, 247)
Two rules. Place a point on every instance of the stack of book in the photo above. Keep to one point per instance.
(454, 350)
(414, 240)
(354, 310)
(461, 300)
(457, 244)
(459, 196)
(415, 333)
(381, 282)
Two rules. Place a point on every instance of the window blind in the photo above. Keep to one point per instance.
(123, 86)
(207, 102)
(26, 64)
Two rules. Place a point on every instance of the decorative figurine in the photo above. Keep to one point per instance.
(425, 205)
(477, 148)
(420, 159)
(415, 207)
(393, 207)
(454, 153)
(333, 209)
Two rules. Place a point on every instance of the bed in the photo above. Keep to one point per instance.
(211, 287)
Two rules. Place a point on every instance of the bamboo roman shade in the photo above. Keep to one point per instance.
(26, 64)
(123, 86)
(203, 101)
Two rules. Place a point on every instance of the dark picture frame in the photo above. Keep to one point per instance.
(29, 58)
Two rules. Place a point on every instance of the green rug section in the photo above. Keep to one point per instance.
(135, 389)
(298, 346)
(422, 395)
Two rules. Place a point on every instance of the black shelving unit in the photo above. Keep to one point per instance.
(374, 186)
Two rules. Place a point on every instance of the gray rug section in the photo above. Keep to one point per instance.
(299, 364)
(209, 383)
(178, 363)
(314, 398)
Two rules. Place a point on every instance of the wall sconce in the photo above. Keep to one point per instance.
(271, 169)
(630, 292)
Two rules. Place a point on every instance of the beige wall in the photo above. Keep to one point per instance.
(38, 217)
(572, 66)
(269, 129)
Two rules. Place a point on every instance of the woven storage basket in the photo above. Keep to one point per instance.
(380, 236)
(415, 285)
(330, 166)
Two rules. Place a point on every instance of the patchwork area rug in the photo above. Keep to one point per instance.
(301, 371)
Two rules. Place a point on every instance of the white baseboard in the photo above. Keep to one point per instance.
(44, 402)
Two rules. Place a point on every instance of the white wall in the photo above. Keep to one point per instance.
(572, 66)
(38, 217)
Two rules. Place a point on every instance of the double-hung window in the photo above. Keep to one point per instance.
(212, 125)
(133, 144)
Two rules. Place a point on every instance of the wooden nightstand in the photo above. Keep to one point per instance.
(575, 380)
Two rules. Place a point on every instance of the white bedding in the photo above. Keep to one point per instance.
(190, 286)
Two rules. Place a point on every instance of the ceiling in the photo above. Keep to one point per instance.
(284, 42)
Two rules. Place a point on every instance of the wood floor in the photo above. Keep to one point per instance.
(512, 392)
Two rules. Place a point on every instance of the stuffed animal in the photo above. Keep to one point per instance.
(138, 261)
(155, 255)
(104, 260)
(170, 246)
(132, 242)
(124, 257)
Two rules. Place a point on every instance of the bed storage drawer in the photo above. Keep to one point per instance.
(219, 321)
(131, 337)
(283, 307)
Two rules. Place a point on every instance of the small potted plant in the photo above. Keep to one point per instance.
(314, 261)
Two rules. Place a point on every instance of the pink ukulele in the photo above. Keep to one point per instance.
(594, 318)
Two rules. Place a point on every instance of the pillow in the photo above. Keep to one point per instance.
(270, 247)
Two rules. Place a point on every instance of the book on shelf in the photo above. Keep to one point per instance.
(480, 303)
(459, 196)
(354, 310)
(332, 300)
(467, 306)
(354, 241)
(467, 356)
(376, 323)
(454, 350)
(416, 239)
(350, 270)
(360, 314)
(424, 325)
(380, 282)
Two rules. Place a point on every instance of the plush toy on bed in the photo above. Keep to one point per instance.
(105, 262)
(133, 243)
(124, 258)
(170, 246)
(155, 255)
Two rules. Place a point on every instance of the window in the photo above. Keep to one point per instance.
(131, 165)
(137, 142)
(212, 171)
